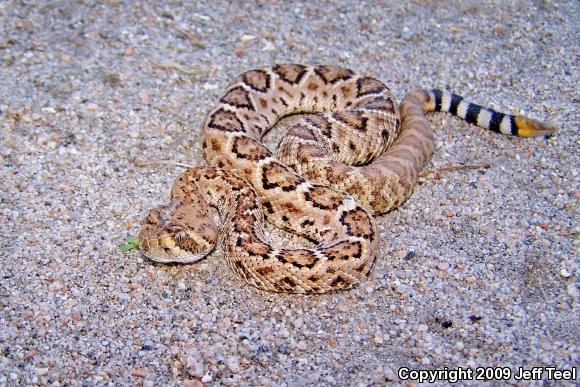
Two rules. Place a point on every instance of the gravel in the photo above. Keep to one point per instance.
(478, 268)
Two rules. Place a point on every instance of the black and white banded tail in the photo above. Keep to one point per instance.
(443, 101)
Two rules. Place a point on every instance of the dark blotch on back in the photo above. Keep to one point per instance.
(291, 73)
(258, 80)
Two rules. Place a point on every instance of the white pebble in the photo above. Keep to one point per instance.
(406, 33)
(298, 322)
(389, 374)
(247, 38)
(40, 371)
(268, 46)
(208, 377)
(565, 273)
(301, 346)
(574, 289)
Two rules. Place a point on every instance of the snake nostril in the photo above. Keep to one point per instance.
(153, 218)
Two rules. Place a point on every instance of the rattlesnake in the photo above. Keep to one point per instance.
(358, 156)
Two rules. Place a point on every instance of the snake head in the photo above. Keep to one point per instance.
(178, 232)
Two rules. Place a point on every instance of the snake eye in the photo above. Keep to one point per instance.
(180, 237)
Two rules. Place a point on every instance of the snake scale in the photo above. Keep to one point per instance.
(355, 154)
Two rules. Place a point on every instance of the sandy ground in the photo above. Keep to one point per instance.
(479, 268)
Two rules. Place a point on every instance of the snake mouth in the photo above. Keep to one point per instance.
(163, 249)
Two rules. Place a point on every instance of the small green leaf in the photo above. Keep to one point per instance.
(131, 243)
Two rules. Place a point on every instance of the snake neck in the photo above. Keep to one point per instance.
(230, 194)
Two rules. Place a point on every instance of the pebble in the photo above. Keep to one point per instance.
(546, 346)
(284, 333)
(301, 346)
(574, 289)
(298, 323)
(143, 96)
(565, 273)
(41, 371)
(344, 307)
(233, 364)
(91, 107)
(406, 33)
(268, 46)
(210, 86)
(208, 377)
(194, 366)
(140, 372)
(247, 38)
(192, 383)
(378, 375)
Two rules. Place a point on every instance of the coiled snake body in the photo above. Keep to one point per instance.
(357, 154)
